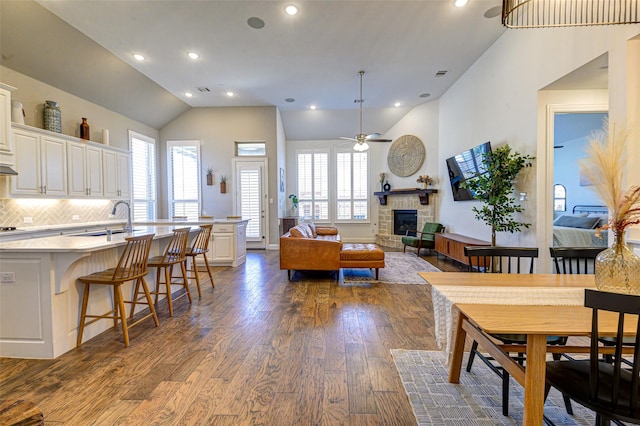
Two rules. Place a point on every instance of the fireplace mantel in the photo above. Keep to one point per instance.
(423, 194)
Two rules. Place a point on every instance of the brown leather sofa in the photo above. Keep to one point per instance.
(308, 247)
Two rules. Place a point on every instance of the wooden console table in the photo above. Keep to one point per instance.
(423, 194)
(452, 245)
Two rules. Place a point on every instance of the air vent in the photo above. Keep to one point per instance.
(441, 73)
(203, 89)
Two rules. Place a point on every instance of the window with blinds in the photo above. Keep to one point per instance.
(348, 174)
(143, 173)
(250, 201)
(313, 184)
(184, 178)
(352, 186)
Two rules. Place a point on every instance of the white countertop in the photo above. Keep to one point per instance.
(81, 243)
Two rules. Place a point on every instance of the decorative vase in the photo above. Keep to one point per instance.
(617, 268)
(52, 116)
(424, 185)
(209, 179)
(223, 187)
(84, 129)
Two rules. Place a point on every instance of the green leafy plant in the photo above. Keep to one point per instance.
(294, 200)
(223, 178)
(495, 190)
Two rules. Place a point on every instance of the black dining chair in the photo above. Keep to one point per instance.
(491, 259)
(574, 260)
(611, 389)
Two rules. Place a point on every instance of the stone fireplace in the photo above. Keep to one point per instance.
(395, 202)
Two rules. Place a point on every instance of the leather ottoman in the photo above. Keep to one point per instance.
(362, 256)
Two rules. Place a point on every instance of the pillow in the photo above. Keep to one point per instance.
(576, 222)
(300, 231)
(603, 219)
(312, 227)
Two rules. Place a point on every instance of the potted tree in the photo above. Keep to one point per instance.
(495, 190)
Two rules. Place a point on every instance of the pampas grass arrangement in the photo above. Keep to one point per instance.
(605, 167)
(617, 268)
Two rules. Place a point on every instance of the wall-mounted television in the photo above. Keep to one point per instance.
(464, 166)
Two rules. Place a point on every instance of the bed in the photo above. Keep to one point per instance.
(579, 228)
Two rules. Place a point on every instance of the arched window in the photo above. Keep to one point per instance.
(559, 198)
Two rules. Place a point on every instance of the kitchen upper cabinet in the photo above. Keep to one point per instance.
(84, 170)
(41, 161)
(5, 120)
(117, 174)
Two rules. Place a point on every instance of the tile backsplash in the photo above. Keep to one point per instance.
(19, 212)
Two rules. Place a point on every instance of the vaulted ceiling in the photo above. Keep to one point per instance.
(86, 48)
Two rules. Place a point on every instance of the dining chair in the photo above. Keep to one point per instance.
(132, 266)
(422, 239)
(574, 260)
(199, 247)
(491, 259)
(609, 388)
(174, 255)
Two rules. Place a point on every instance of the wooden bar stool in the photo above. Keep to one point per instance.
(200, 246)
(173, 255)
(131, 266)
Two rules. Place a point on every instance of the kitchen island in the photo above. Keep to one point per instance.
(40, 297)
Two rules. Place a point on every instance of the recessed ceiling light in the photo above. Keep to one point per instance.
(230, 94)
(460, 3)
(255, 23)
(425, 95)
(193, 55)
(138, 57)
(493, 12)
(291, 10)
(313, 106)
(289, 100)
(397, 104)
(188, 94)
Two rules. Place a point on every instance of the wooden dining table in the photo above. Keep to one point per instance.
(539, 316)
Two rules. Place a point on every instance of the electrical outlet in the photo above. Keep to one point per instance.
(75, 217)
(7, 277)
(28, 219)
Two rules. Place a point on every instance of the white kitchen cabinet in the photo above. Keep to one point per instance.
(5, 120)
(227, 244)
(41, 161)
(117, 174)
(84, 167)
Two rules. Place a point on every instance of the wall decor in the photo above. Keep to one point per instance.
(52, 116)
(406, 155)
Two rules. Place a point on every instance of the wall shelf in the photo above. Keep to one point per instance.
(423, 194)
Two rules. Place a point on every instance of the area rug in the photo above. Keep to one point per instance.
(476, 400)
(400, 268)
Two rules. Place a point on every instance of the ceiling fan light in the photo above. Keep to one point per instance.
(361, 146)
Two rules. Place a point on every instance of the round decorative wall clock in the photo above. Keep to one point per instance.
(406, 155)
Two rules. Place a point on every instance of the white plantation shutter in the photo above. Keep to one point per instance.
(250, 201)
(352, 186)
(143, 174)
(313, 184)
(184, 178)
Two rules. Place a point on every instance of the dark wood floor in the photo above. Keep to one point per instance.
(256, 350)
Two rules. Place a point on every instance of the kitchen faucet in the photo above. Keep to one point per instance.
(128, 228)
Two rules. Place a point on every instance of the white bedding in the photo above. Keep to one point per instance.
(577, 237)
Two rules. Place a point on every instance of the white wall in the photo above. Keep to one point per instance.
(497, 100)
(218, 129)
(32, 93)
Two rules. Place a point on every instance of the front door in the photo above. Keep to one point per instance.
(250, 198)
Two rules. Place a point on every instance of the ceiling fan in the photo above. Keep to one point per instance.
(361, 139)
